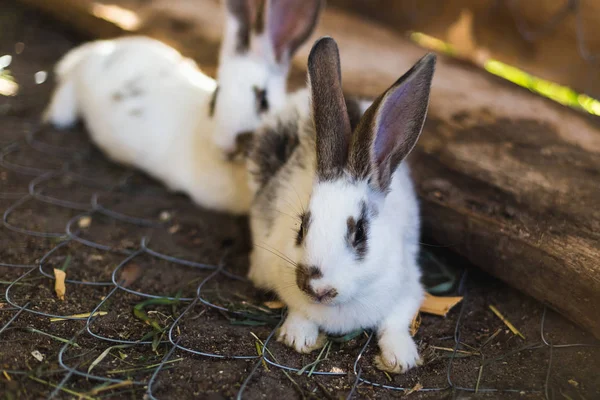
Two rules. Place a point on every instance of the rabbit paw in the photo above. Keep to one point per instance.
(301, 334)
(398, 354)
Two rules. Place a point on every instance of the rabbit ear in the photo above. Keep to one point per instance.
(329, 112)
(289, 24)
(243, 17)
(390, 128)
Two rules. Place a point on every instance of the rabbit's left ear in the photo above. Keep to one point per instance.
(390, 128)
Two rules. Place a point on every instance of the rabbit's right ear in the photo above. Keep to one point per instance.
(329, 112)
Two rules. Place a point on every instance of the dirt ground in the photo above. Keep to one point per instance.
(145, 260)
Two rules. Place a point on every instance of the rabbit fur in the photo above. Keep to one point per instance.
(335, 221)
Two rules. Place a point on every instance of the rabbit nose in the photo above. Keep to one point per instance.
(305, 279)
(325, 295)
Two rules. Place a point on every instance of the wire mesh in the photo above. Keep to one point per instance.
(51, 163)
(173, 339)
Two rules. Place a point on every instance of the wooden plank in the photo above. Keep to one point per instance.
(506, 178)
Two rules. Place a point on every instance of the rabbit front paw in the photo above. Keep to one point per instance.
(398, 353)
(301, 334)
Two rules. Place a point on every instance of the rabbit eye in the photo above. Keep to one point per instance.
(305, 219)
(262, 103)
(359, 234)
(300, 236)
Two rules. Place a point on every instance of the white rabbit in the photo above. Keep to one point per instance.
(148, 107)
(336, 230)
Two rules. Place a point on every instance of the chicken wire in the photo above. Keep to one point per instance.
(172, 342)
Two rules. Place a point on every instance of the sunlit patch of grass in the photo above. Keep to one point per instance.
(553, 91)
(561, 94)
(433, 43)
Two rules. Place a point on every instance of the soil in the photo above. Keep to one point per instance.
(110, 270)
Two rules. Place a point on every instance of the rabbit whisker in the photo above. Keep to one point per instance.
(299, 200)
(295, 217)
(281, 256)
(291, 205)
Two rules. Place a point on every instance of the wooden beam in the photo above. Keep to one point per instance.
(507, 179)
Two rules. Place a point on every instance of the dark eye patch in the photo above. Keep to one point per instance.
(305, 222)
(213, 102)
(357, 235)
(262, 102)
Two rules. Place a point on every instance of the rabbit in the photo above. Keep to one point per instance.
(335, 220)
(148, 107)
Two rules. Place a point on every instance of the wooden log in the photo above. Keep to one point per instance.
(538, 36)
(79, 16)
(508, 179)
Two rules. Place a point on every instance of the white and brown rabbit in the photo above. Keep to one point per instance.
(148, 107)
(335, 221)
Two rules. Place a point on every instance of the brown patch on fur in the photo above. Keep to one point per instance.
(304, 275)
(274, 146)
(243, 145)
